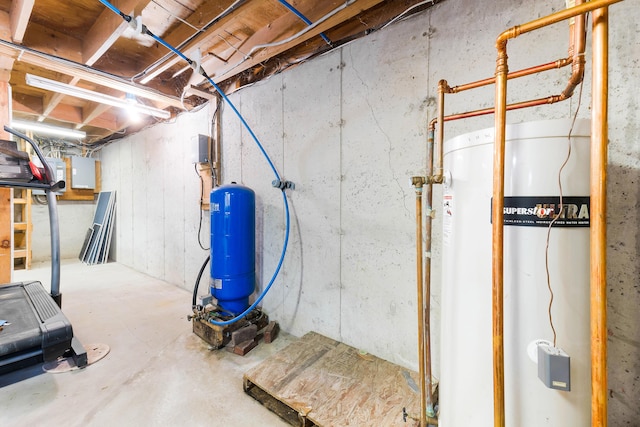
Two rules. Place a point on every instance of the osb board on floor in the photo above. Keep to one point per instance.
(331, 384)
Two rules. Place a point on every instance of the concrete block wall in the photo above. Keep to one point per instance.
(349, 129)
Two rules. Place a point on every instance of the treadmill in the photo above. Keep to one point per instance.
(36, 330)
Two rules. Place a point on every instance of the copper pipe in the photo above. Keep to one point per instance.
(430, 412)
(497, 219)
(598, 230)
(438, 177)
(554, 18)
(418, 182)
(443, 87)
(498, 185)
(576, 58)
(517, 106)
(577, 45)
(514, 75)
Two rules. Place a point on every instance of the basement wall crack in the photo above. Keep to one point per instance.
(386, 136)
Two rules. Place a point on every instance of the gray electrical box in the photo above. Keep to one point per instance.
(554, 367)
(59, 173)
(83, 172)
(203, 149)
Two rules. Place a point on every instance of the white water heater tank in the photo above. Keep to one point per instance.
(535, 153)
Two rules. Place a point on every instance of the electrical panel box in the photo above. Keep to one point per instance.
(203, 149)
(554, 368)
(59, 173)
(83, 172)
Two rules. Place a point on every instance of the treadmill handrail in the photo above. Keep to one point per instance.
(17, 184)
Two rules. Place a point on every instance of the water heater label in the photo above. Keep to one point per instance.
(539, 211)
(447, 219)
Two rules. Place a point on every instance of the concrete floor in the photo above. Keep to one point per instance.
(158, 373)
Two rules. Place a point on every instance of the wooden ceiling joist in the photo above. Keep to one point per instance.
(185, 32)
(20, 14)
(107, 30)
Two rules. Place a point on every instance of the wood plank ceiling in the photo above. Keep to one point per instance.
(83, 43)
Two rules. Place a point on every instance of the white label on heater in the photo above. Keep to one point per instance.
(447, 219)
(217, 283)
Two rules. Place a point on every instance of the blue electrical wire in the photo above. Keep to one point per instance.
(303, 18)
(255, 139)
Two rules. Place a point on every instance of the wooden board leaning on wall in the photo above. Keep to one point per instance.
(80, 193)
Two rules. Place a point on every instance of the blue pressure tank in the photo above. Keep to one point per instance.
(233, 244)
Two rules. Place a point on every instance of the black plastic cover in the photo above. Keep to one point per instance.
(36, 325)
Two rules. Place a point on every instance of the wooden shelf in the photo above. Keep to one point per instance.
(19, 253)
(22, 228)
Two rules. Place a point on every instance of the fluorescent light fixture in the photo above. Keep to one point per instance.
(40, 128)
(134, 116)
(89, 95)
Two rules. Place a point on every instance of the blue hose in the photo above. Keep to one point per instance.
(255, 139)
(114, 9)
(303, 18)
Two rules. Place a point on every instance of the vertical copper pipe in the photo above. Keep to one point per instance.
(497, 220)
(443, 87)
(427, 278)
(418, 182)
(598, 251)
(577, 45)
(498, 198)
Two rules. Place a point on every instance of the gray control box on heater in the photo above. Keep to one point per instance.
(554, 368)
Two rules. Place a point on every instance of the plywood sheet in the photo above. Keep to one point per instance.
(332, 384)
